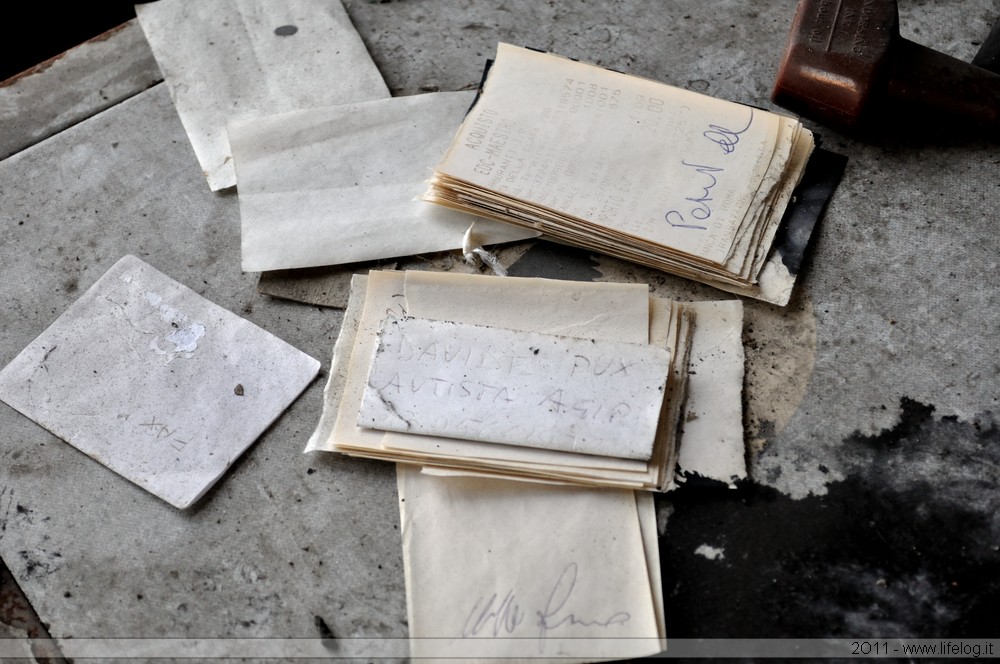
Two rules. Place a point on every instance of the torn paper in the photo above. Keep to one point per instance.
(712, 444)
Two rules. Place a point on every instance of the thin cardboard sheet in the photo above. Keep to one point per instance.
(228, 59)
(497, 569)
(155, 382)
(496, 385)
(341, 184)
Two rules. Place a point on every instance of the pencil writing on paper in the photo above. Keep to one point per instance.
(495, 616)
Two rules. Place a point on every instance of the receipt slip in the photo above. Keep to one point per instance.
(630, 167)
(585, 311)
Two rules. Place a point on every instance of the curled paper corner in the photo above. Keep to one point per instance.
(471, 249)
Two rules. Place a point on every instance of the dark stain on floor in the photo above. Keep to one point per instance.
(908, 545)
(556, 261)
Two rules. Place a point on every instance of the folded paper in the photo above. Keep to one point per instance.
(342, 184)
(228, 59)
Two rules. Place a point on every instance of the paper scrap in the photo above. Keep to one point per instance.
(491, 384)
(712, 444)
(155, 382)
(223, 60)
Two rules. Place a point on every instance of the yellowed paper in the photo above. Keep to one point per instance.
(497, 569)
(229, 59)
(627, 166)
(383, 297)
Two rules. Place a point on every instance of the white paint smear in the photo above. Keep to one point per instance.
(710, 552)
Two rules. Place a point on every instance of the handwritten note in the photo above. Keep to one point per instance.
(499, 569)
(520, 388)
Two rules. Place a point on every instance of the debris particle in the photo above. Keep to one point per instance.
(710, 552)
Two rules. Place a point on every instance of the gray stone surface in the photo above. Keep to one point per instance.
(283, 537)
(73, 86)
(898, 300)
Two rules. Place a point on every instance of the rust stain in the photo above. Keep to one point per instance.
(104, 36)
(42, 66)
(37, 69)
(16, 611)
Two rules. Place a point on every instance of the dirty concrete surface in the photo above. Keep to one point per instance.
(871, 399)
(71, 87)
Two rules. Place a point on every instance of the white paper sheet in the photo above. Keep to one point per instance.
(341, 184)
(496, 385)
(155, 382)
(228, 59)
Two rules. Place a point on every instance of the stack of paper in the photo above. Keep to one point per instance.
(534, 379)
(637, 169)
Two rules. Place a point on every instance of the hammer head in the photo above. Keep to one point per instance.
(838, 60)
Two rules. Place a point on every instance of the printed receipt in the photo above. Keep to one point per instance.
(655, 162)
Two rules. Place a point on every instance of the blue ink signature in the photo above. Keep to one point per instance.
(701, 210)
(726, 138)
